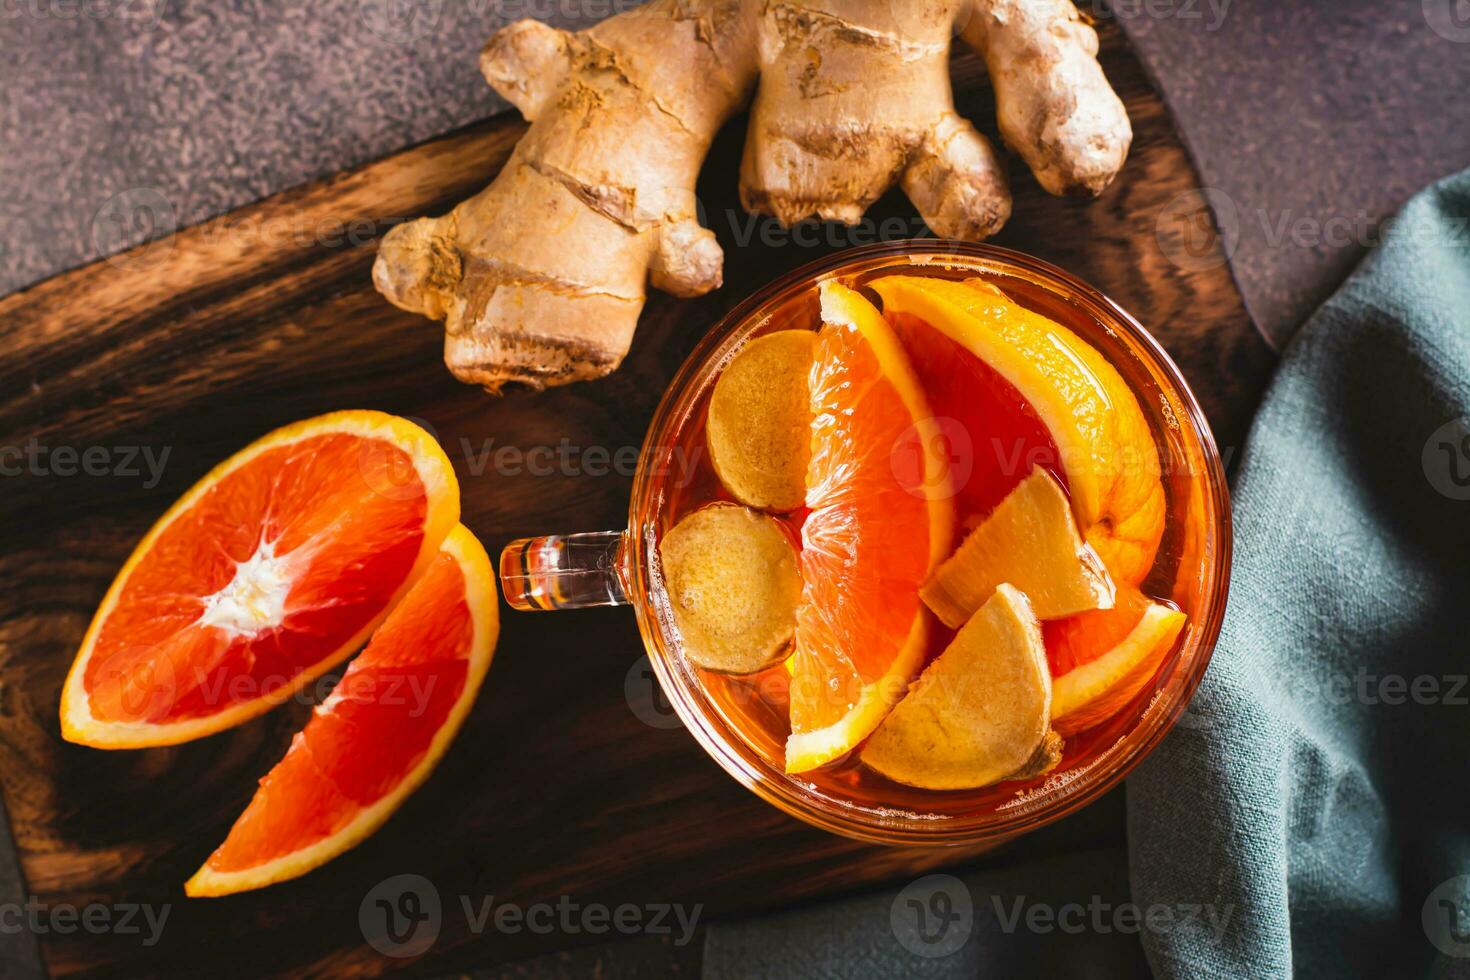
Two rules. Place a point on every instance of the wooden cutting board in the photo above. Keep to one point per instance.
(198, 343)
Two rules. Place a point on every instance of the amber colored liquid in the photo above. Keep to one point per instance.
(755, 707)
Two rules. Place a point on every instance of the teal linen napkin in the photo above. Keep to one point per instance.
(1310, 814)
(1023, 919)
(1317, 787)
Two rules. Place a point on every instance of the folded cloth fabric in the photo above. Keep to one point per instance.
(1061, 915)
(1315, 795)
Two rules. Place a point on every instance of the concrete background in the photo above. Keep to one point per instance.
(1310, 120)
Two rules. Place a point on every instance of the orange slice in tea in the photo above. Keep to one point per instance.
(980, 712)
(881, 517)
(1023, 389)
(377, 736)
(1101, 660)
(1029, 540)
(272, 569)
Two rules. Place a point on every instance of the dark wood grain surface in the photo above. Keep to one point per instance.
(200, 342)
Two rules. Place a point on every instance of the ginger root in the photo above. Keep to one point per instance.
(1053, 104)
(980, 712)
(758, 429)
(733, 588)
(855, 94)
(540, 278)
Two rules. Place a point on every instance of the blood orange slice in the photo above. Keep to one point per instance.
(1027, 390)
(881, 517)
(377, 736)
(273, 568)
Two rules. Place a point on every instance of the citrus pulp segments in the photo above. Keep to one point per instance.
(385, 443)
(1106, 449)
(336, 785)
(845, 679)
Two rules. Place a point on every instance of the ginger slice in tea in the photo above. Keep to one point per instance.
(733, 584)
(759, 424)
(981, 711)
(1044, 759)
(1030, 540)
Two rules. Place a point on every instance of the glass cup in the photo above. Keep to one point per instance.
(622, 567)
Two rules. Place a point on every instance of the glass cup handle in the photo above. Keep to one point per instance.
(564, 571)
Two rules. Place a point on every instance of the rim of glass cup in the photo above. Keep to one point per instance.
(1054, 798)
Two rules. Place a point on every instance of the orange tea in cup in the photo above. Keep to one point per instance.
(951, 554)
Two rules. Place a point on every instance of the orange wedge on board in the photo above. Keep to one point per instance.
(377, 736)
(1100, 660)
(1025, 390)
(269, 571)
(881, 517)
